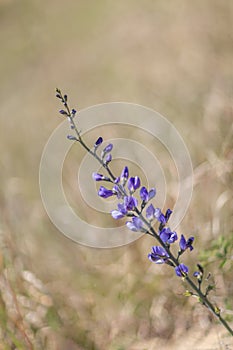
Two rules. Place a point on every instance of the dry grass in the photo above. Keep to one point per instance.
(175, 57)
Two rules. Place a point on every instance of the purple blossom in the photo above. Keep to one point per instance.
(133, 183)
(116, 190)
(98, 142)
(167, 235)
(145, 195)
(125, 174)
(151, 193)
(130, 202)
(157, 213)
(73, 111)
(163, 219)
(99, 177)
(120, 213)
(158, 255)
(186, 244)
(72, 138)
(197, 274)
(135, 225)
(168, 214)
(108, 148)
(181, 270)
(104, 192)
(150, 212)
(63, 112)
(108, 158)
(117, 180)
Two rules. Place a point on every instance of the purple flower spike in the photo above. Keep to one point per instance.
(181, 270)
(134, 183)
(98, 142)
(158, 255)
(98, 177)
(144, 194)
(150, 212)
(135, 225)
(104, 192)
(186, 244)
(168, 236)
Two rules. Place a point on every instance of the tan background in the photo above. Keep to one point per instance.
(172, 56)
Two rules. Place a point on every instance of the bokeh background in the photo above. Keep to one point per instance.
(172, 56)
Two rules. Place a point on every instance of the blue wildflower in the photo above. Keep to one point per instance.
(72, 138)
(63, 112)
(98, 142)
(99, 177)
(108, 148)
(158, 255)
(168, 214)
(108, 158)
(163, 219)
(133, 183)
(124, 174)
(167, 235)
(104, 192)
(145, 195)
(181, 270)
(135, 225)
(186, 244)
(150, 212)
(116, 190)
(120, 213)
(130, 202)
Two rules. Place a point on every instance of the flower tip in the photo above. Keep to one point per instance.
(98, 142)
(63, 112)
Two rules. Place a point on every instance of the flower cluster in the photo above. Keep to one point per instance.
(124, 188)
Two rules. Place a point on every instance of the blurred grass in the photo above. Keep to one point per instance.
(175, 57)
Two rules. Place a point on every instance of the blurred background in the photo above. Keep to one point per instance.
(174, 57)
